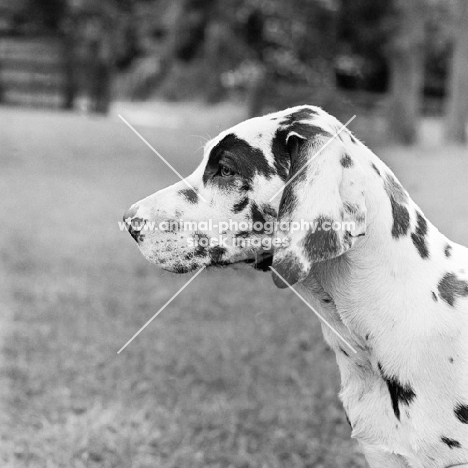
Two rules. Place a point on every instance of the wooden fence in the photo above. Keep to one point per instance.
(36, 71)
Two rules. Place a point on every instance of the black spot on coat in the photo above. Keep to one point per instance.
(448, 250)
(434, 296)
(301, 114)
(346, 161)
(321, 244)
(375, 169)
(289, 268)
(202, 242)
(216, 253)
(399, 393)
(450, 287)
(179, 268)
(190, 194)
(461, 412)
(398, 199)
(353, 138)
(401, 219)
(238, 207)
(451, 442)
(419, 236)
(395, 190)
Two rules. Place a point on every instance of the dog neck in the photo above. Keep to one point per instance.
(358, 281)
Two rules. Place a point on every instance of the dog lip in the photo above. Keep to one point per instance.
(262, 264)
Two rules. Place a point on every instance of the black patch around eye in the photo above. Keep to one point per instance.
(238, 207)
(419, 236)
(190, 195)
(448, 250)
(321, 244)
(249, 161)
(375, 169)
(346, 161)
(461, 412)
(450, 442)
(399, 393)
(450, 287)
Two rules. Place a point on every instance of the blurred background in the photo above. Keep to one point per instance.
(234, 373)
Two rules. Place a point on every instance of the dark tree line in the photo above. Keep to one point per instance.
(186, 48)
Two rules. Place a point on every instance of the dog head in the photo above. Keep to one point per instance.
(280, 189)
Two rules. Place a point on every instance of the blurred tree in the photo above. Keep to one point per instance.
(363, 34)
(212, 46)
(406, 53)
(457, 106)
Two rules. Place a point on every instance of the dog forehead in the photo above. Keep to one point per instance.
(257, 132)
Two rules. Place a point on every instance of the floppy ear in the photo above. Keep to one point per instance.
(322, 209)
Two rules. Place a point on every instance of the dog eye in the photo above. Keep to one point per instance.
(225, 171)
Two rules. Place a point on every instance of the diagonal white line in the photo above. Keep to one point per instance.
(161, 309)
(315, 312)
(315, 155)
(130, 126)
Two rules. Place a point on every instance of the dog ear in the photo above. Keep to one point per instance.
(322, 209)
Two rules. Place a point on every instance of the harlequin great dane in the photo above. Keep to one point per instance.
(389, 282)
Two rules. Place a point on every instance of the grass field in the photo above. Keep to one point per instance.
(233, 373)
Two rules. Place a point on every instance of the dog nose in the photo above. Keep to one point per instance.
(134, 224)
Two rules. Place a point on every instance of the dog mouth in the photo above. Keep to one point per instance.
(174, 255)
(261, 262)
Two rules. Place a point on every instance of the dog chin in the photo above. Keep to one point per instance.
(179, 265)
